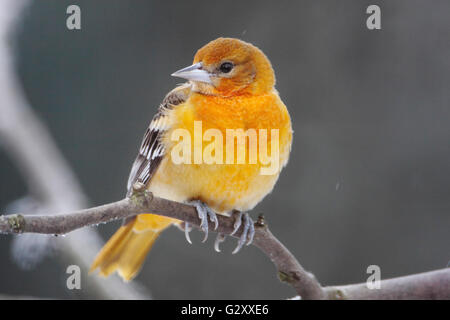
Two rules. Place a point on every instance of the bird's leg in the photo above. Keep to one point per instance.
(204, 211)
(247, 233)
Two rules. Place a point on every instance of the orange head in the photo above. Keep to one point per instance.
(229, 67)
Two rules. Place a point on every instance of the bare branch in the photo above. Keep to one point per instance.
(289, 270)
(428, 285)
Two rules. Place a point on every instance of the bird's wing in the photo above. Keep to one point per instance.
(152, 150)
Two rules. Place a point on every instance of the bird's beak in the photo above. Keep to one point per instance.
(193, 73)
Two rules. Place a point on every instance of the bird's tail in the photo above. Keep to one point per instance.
(125, 252)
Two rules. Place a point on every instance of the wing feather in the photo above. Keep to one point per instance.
(152, 150)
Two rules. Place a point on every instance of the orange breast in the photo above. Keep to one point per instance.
(224, 186)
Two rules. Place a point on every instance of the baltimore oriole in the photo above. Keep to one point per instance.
(230, 86)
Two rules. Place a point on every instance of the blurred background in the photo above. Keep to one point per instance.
(368, 181)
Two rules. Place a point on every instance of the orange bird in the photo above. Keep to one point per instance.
(230, 89)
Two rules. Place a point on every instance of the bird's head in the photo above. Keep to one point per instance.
(229, 67)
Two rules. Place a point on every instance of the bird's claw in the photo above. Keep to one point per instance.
(247, 233)
(219, 239)
(204, 212)
(251, 231)
(187, 229)
(237, 222)
(242, 219)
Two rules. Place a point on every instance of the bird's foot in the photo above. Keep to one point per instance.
(204, 212)
(248, 231)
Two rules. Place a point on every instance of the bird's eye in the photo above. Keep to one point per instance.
(226, 67)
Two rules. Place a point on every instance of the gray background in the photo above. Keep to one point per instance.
(368, 180)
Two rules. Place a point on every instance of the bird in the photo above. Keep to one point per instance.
(230, 86)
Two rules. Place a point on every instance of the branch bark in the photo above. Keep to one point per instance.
(288, 268)
(432, 285)
(428, 285)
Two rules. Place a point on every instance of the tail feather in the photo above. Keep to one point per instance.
(125, 252)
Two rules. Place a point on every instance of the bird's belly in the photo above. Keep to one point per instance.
(222, 187)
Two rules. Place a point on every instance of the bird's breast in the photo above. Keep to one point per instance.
(226, 152)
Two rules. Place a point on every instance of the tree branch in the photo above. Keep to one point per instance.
(288, 268)
(428, 285)
(431, 285)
